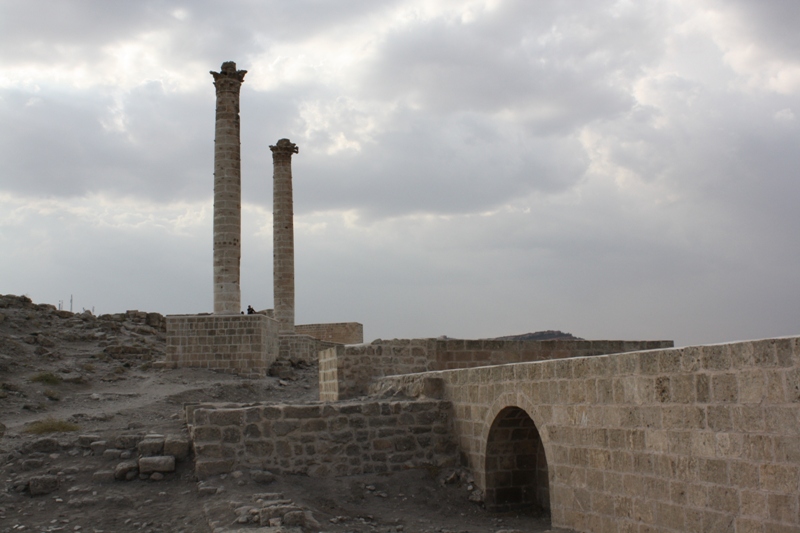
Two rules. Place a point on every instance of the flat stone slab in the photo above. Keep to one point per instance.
(159, 463)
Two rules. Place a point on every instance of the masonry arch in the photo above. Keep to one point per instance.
(516, 474)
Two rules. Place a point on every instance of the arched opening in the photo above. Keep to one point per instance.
(516, 467)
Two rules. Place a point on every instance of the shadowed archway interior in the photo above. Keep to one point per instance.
(516, 467)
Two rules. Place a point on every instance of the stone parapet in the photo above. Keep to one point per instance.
(337, 332)
(321, 439)
(357, 367)
(242, 344)
(703, 438)
(300, 348)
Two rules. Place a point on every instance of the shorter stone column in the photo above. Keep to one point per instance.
(283, 235)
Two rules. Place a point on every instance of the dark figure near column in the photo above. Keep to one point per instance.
(250, 310)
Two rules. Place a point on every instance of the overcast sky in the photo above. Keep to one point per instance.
(614, 169)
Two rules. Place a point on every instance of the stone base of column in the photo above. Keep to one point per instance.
(246, 345)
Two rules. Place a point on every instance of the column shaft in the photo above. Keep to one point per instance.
(283, 235)
(227, 191)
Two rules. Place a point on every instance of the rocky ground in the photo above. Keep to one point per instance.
(93, 389)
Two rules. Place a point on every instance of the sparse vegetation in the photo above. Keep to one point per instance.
(47, 378)
(10, 387)
(88, 367)
(52, 395)
(50, 425)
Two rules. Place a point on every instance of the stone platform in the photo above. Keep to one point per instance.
(246, 345)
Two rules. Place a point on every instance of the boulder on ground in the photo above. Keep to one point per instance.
(42, 485)
(124, 468)
(158, 463)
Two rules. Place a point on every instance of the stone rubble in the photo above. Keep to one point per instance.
(31, 460)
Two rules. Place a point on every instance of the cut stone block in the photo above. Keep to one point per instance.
(159, 463)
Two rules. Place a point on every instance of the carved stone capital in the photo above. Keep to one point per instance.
(228, 76)
(284, 148)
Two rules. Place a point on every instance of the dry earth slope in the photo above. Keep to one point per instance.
(83, 400)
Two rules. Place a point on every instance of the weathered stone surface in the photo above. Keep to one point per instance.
(176, 446)
(276, 511)
(45, 445)
(313, 440)
(32, 464)
(227, 191)
(262, 477)
(127, 442)
(159, 463)
(691, 439)
(294, 519)
(98, 447)
(112, 454)
(283, 235)
(150, 446)
(85, 441)
(250, 343)
(38, 485)
(126, 468)
(206, 468)
(104, 476)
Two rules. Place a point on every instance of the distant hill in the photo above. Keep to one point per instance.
(541, 336)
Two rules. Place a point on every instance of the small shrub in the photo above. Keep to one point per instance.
(50, 394)
(50, 425)
(3, 394)
(119, 370)
(10, 387)
(48, 378)
(87, 367)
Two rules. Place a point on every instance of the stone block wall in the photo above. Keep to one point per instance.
(355, 368)
(338, 332)
(243, 344)
(454, 353)
(329, 373)
(349, 370)
(300, 348)
(694, 439)
(322, 440)
(154, 320)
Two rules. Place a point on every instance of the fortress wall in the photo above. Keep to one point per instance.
(296, 348)
(453, 353)
(357, 367)
(242, 344)
(693, 439)
(338, 332)
(329, 373)
(322, 440)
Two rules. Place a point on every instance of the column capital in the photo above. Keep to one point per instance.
(228, 75)
(284, 148)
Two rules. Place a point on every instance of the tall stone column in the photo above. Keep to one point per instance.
(227, 191)
(283, 235)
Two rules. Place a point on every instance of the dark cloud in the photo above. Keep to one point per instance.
(145, 143)
(772, 23)
(563, 67)
(461, 164)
